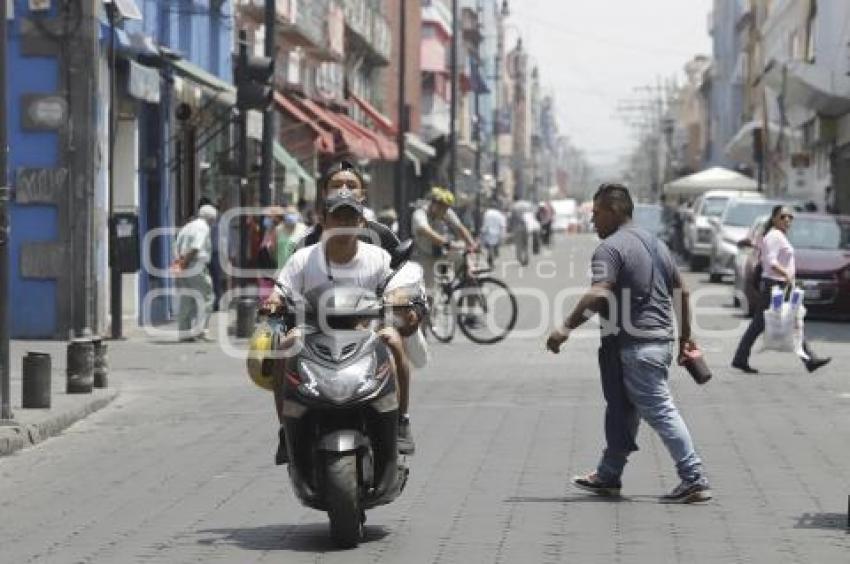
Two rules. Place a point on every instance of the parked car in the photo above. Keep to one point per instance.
(744, 280)
(649, 217)
(822, 256)
(728, 229)
(698, 231)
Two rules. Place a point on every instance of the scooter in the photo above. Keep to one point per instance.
(340, 412)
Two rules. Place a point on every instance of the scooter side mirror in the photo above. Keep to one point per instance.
(401, 254)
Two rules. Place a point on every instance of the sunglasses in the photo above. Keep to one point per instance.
(786, 216)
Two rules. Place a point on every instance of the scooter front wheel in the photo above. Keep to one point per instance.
(346, 517)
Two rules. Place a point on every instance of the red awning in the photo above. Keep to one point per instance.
(324, 140)
(382, 122)
(386, 147)
(352, 140)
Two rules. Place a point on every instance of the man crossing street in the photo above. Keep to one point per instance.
(634, 285)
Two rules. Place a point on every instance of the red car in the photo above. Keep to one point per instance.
(822, 254)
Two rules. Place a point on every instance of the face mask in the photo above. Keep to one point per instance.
(268, 223)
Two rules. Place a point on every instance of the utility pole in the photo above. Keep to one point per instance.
(254, 78)
(267, 170)
(453, 114)
(115, 278)
(402, 125)
(5, 400)
(479, 10)
(501, 14)
(244, 171)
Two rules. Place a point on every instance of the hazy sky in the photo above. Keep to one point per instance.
(593, 53)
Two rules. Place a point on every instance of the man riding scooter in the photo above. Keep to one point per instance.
(341, 259)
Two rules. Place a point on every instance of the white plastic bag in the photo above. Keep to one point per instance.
(783, 327)
(417, 349)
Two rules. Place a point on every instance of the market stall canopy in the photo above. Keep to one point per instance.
(716, 178)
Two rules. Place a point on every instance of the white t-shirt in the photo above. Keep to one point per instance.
(195, 235)
(493, 226)
(307, 269)
(420, 219)
(776, 249)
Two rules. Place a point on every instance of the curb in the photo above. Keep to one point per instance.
(13, 439)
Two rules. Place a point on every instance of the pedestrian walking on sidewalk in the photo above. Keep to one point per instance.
(192, 252)
(776, 267)
(494, 228)
(635, 284)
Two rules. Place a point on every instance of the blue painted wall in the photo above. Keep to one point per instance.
(183, 25)
(727, 94)
(206, 39)
(33, 302)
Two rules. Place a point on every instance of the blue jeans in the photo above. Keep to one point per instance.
(634, 380)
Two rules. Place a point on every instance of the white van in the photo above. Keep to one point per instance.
(698, 230)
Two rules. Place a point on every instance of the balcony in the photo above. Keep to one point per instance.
(367, 30)
(435, 116)
(317, 26)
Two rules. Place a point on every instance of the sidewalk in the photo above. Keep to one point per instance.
(36, 425)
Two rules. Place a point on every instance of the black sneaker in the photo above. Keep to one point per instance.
(405, 437)
(744, 366)
(282, 455)
(592, 483)
(816, 363)
(688, 492)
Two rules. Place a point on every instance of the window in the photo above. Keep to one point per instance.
(811, 32)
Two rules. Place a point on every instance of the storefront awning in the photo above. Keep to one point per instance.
(125, 9)
(349, 140)
(219, 90)
(386, 147)
(811, 86)
(324, 141)
(422, 150)
(382, 122)
(740, 147)
(294, 170)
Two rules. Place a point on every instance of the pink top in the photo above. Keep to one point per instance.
(776, 249)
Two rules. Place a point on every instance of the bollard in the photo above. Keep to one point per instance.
(80, 366)
(35, 393)
(101, 366)
(246, 314)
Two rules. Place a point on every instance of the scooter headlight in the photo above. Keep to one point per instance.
(340, 384)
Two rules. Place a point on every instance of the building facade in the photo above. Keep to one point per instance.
(129, 138)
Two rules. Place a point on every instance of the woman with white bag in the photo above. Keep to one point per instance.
(776, 263)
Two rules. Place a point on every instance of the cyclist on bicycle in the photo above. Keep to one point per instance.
(430, 245)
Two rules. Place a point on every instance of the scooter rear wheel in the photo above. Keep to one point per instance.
(346, 517)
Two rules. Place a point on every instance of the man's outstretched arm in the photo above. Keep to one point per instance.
(589, 305)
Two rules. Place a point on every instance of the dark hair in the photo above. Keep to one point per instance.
(616, 198)
(773, 213)
(340, 166)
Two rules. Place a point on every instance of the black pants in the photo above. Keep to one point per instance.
(756, 327)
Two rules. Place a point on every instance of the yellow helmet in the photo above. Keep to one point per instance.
(441, 196)
(260, 363)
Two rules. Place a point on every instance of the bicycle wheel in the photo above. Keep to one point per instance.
(486, 310)
(441, 321)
